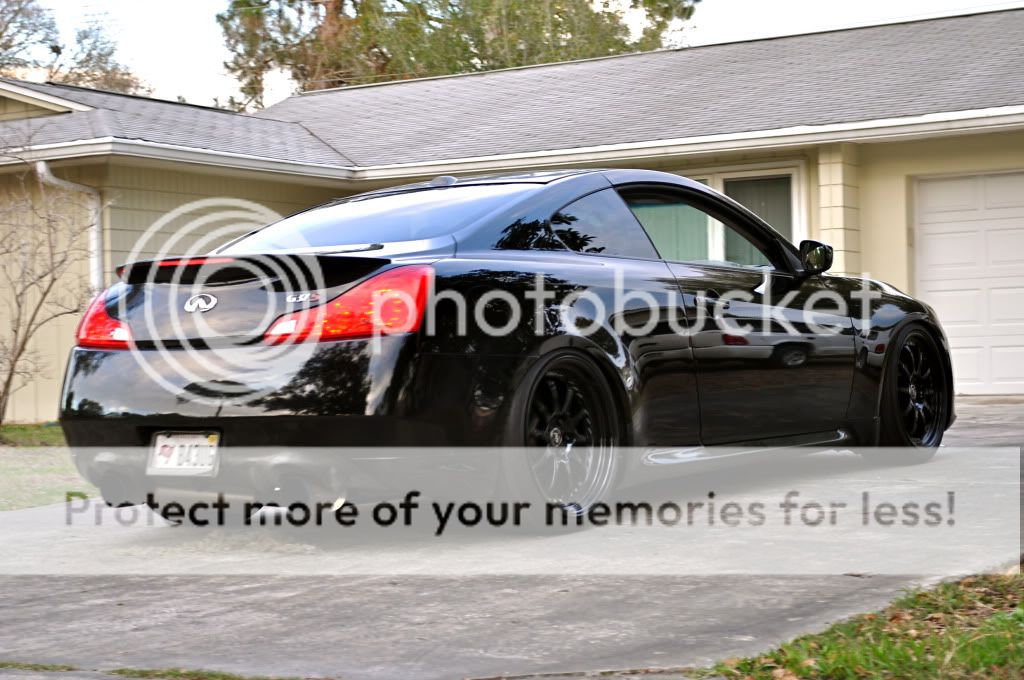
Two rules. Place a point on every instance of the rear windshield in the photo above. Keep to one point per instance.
(406, 216)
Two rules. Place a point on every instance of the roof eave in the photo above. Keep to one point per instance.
(112, 146)
(880, 130)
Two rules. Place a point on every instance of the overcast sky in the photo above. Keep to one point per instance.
(176, 47)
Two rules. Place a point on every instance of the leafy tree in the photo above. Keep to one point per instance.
(29, 39)
(330, 43)
(25, 27)
(92, 63)
(253, 47)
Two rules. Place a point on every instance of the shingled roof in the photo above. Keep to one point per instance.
(948, 64)
(953, 64)
(156, 121)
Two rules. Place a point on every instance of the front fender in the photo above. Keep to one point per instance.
(878, 318)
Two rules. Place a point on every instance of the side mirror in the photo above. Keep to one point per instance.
(815, 257)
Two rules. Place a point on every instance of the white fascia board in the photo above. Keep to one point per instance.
(40, 99)
(186, 154)
(110, 146)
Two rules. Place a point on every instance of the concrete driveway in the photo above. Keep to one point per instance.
(420, 626)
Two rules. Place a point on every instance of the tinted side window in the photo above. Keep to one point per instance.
(683, 232)
(600, 223)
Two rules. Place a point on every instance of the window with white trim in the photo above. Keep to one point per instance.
(684, 232)
(772, 193)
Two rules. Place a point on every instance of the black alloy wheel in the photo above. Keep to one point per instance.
(569, 432)
(919, 392)
(915, 396)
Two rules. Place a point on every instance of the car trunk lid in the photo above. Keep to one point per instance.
(230, 300)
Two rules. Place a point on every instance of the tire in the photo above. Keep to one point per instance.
(791, 356)
(561, 440)
(914, 406)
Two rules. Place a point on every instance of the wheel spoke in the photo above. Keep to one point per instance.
(575, 420)
(589, 463)
(907, 363)
(922, 362)
(567, 402)
(542, 460)
(553, 391)
(554, 471)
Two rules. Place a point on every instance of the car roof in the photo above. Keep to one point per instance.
(539, 177)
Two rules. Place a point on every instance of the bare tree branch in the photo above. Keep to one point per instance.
(44, 251)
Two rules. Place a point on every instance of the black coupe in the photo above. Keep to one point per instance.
(570, 317)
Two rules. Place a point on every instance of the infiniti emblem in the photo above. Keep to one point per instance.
(203, 302)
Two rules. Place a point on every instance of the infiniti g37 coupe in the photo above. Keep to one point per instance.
(566, 316)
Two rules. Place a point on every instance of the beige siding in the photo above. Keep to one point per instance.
(12, 109)
(139, 197)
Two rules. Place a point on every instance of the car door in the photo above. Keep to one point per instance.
(639, 298)
(774, 350)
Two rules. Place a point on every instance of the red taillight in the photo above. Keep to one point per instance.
(735, 340)
(99, 330)
(391, 302)
(194, 261)
(177, 262)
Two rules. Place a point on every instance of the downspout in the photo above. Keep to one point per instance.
(95, 222)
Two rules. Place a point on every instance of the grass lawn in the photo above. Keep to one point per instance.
(35, 467)
(973, 628)
(44, 434)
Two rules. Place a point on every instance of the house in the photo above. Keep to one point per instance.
(901, 145)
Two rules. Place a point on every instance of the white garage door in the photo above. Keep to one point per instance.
(970, 267)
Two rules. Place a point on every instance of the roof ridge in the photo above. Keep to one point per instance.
(846, 29)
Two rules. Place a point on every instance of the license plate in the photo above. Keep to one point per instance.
(184, 453)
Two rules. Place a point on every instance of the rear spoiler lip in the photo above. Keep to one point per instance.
(174, 262)
(339, 250)
(140, 271)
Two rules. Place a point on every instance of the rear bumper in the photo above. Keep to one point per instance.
(319, 416)
(284, 475)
